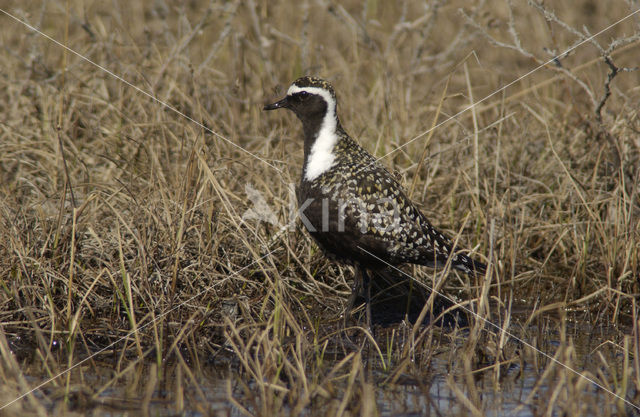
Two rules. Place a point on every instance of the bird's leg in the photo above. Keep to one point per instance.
(366, 291)
(358, 292)
(350, 304)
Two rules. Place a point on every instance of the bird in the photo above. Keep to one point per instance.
(353, 207)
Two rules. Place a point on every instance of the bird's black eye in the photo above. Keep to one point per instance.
(302, 95)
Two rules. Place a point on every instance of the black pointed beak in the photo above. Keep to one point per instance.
(284, 103)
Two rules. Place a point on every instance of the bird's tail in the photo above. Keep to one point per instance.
(468, 266)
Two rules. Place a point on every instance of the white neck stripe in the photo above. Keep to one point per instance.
(321, 157)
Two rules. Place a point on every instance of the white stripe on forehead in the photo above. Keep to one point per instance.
(321, 157)
(326, 95)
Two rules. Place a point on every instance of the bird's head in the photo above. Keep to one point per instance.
(309, 98)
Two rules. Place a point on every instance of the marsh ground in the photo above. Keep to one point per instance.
(135, 279)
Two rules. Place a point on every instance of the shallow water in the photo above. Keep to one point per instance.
(433, 392)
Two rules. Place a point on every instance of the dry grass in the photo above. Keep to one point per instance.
(122, 220)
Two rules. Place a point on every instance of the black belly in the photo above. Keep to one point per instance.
(339, 233)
